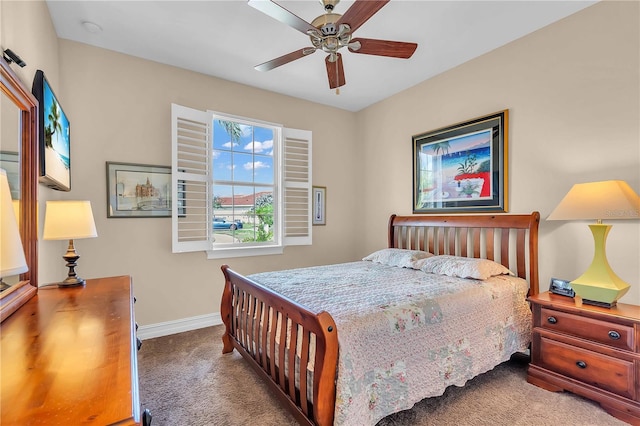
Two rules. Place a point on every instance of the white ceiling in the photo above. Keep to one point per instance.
(226, 39)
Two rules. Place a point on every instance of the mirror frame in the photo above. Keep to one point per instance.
(12, 87)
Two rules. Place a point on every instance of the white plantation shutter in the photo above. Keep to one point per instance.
(296, 172)
(191, 162)
(192, 186)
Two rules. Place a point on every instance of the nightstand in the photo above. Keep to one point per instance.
(588, 350)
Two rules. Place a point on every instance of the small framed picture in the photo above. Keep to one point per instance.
(319, 205)
(138, 190)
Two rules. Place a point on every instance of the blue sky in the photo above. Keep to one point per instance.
(248, 160)
(60, 140)
(467, 142)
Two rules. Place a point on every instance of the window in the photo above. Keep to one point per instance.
(241, 187)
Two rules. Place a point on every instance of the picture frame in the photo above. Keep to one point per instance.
(10, 163)
(138, 190)
(319, 206)
(462, 168)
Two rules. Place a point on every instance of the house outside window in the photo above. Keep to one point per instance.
(242, 187)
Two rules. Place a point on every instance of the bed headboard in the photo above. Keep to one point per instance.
(510, 239)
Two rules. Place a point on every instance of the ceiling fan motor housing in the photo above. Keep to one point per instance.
(328, 29)
(331, 37)
(327, 23)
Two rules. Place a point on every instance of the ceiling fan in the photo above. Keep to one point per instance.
(331, 32)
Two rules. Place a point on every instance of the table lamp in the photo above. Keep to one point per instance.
(12, 259)
(612, 199)
(69, 220)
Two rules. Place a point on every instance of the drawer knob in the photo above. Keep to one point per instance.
(614, 335)
(552, 320)
(581, 364)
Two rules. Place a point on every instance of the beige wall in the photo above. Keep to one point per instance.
(26, 28)
(572, 90)
(121, 109)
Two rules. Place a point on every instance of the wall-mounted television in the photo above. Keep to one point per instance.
(54, 136)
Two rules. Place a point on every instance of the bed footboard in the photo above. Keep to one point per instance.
(293, 349)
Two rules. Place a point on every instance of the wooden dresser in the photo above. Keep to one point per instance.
(69, 357)
(588, 350)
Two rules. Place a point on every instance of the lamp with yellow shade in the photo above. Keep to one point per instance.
(606, 200)
(69, 220)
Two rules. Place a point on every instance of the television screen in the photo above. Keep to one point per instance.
(55, 149)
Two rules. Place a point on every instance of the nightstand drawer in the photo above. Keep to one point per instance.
(608, 333)
(605, 372)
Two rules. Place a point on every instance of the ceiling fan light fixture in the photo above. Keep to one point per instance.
(314, 33)
(343, 29)
(355, 46)
(331, 45)
(344, 40)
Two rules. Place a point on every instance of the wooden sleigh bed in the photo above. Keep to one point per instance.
(254, 314)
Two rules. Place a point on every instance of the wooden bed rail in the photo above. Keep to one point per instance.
(487, 237)
(277, 335)
(281, 338)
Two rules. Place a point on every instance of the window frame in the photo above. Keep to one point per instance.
(290, 228)
(232, 249)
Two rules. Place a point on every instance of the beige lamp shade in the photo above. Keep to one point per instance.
(12, 260)
(68, 220)
(611, 199)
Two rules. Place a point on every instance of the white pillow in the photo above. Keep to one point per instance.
(403, 258)
(463, 267)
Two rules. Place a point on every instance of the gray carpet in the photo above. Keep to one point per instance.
(186, 381)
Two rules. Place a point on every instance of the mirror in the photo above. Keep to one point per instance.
(10, 146)
(26, 108)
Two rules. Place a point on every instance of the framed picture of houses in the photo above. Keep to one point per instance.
(138, 190)
(463, 167)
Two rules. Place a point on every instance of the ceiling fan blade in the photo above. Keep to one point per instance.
(284, 59)
(335, 71)
(360, 12)
(283, 15)
(394, 49)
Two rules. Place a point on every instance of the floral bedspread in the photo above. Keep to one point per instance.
(405, 335)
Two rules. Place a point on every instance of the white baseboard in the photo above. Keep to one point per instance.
(178, 326)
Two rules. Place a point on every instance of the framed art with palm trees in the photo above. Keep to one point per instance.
(463, 167)
(54, 135)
